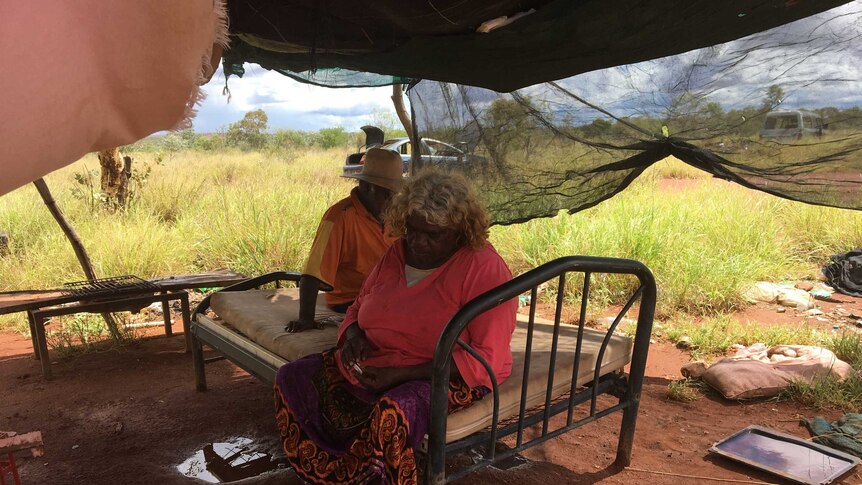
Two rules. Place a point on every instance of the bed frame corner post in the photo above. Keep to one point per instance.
(436, 472)
(627, 433)
(198, 359)
(632, 396)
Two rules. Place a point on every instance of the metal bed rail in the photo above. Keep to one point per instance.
(628, 390)
(201, 335)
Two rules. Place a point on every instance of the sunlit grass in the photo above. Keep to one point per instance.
(255, 212)
(685, 390)
(829, 392)
(714, 337)
(704, 244)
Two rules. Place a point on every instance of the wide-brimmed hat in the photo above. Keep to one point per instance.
(383, 168)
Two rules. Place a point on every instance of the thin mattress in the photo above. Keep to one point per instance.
(260, 317)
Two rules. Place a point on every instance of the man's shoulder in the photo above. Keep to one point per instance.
(339, 209)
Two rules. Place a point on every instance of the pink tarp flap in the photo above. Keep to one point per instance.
(85, 75)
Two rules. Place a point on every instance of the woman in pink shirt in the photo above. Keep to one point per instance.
(356, 413)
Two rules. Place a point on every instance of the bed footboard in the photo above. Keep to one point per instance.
(626, 388)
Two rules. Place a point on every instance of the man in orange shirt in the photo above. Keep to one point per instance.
(350, 239)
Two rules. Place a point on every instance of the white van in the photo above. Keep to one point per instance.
(791, 124)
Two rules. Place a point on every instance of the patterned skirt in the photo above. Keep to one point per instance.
(335, 432)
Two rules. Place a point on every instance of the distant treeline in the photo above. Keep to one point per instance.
(252, 133)
(517, 123)
(503, 122)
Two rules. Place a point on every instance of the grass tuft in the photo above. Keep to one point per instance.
(685, 390)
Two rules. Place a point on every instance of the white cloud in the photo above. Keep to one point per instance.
(288, 103)
(735, 74)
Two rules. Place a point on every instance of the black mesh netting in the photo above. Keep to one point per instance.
(778, 111)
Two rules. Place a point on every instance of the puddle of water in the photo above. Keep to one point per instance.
(227, 462)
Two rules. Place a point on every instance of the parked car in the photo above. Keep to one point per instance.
(432, 151)
(792, 124)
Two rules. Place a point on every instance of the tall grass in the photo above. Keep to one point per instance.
(704, 244)
(257, 212)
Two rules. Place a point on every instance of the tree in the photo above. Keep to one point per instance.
(598, 128)
(116, 171)
(250, 131)
(179, 140)
(774, 97)
(385, 120)
(290, 139)
(332, 137)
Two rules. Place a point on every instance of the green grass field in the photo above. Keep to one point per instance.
(255, 212)
(704, 240)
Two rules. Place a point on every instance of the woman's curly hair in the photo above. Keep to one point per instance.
(443, 199)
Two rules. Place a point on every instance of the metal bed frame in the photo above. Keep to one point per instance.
(627, 389)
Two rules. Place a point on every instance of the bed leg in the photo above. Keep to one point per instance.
(627, 432)
(198, 359)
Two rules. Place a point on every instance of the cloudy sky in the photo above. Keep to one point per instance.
(815, 60)
(288, 103)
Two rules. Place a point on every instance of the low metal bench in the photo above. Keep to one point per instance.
(115, 294)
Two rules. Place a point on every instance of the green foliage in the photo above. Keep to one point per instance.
(774, 97)
(597, 129)
(714, 336)
(332, 137)
(88, 188)
(703, 247)
(178, 141)
(847, 346)
(291, 139)
(249, 132)
(828, 392)
(509, 126)
(388, 122)
(202, 210)
(82, 332)
(210, 143)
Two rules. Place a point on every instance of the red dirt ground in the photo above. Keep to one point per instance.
(130, 416)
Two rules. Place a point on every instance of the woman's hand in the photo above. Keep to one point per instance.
(382, 378)
(356, 346)
(295, 326)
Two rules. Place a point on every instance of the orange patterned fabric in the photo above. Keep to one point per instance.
(352, 439)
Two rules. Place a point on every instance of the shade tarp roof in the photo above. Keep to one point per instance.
(439, 40)
(594, 90)
(568, 104)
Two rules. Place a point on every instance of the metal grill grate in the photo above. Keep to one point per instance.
(113, 286)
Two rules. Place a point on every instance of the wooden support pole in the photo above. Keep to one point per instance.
(407, 123)
(401, 111)
(77, 246)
